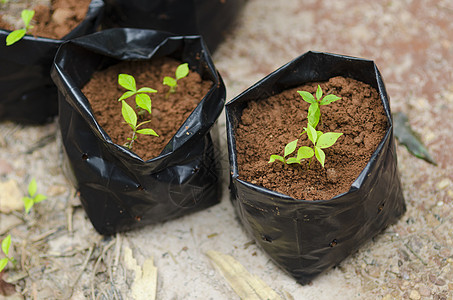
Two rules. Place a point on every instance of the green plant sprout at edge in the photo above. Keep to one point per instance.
(16, 35)
(142, 100)
(319, 139)
(6, 245)
(181, 71)
(32, 197)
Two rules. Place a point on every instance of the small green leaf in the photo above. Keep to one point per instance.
(127, 82)
(126, 95)
(318, 93)
(305, 152)
(276, 157)
(318, 133)
(328, 139)
(27, 15)
(314, 114)
(147, 131)
(129, 115)
(169, 81)
(6, 243)
(38, 198)
(307, 97)
(28, 203)
(320, 155)
(182, 71)
(143, 101)
(329, 99)
(311, 132)
(146, 90)
(292, 160)
(15, 36)
(32, 187)
(290, 147)
(3, 263)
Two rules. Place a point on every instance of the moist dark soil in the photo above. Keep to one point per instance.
(168, 114)
(267, 125)
(58, 20)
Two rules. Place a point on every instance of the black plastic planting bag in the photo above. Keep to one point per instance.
(28, 94)
(119, 190)
(208, 18)
(303, 237)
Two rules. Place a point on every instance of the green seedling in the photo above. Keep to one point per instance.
(142, 99)
(319, 140)
(6, 245)
(32, 197)
(16, 35)
(314, 112)
(130, 117)
(181, 71)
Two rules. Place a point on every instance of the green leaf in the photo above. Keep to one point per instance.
(15, 36)
(143, 101)
(6, 243)
(318, 93)
(38, 198)
(290, 147)
(129, 115)
(27, 15)
(32, 187)
(169, 81)
(127, 82)
(305, 152)
(28, 203)
(3, 263)
(147, 131)
(126, 95)
(328, 139)
(329, 99)
(276, 157)
(314, 114)
(292, 160)
(320, 156)
(407, 137)
(146, 90)
(311, 132)
(182, 71)
(307, 97)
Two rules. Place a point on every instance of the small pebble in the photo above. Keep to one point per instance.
(443, 184)
(5, 167)
(414, 295)
(61, 15)
(332, 175)
(55, 190)
(424, 291)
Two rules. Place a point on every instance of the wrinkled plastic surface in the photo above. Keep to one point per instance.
(28, 94)
(303, 237)
(208, 18)
(119, 190)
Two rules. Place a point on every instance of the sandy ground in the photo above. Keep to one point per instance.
(61, 256)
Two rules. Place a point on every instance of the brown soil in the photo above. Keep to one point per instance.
(268, 125)
(57, 21)
(168, 114)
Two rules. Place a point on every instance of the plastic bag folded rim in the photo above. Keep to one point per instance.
(82, 103)
(358, 182)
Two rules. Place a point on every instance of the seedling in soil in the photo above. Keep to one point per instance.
(142, 99)
(181, 71)
(319, 140)
(314, 112)
(130, 117)
(6, 245)
(16, 35)
(32, 197)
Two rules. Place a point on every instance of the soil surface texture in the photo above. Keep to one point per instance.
(268, 125)
(167, 113)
